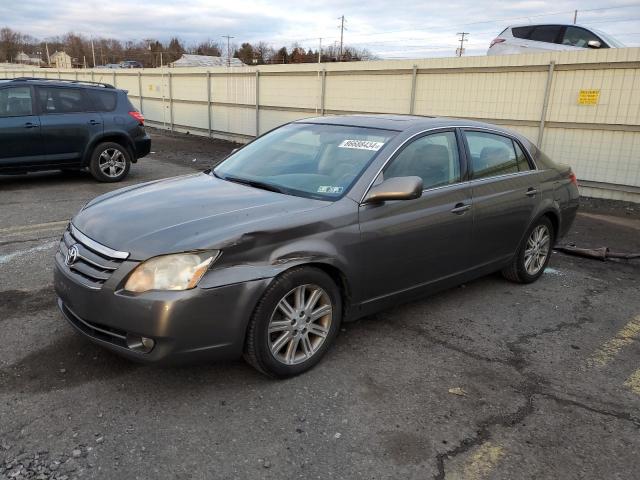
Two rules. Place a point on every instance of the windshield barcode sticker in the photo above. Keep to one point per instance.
(361, 145)
(329, 189)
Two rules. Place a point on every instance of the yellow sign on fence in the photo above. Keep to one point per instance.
(588, 97)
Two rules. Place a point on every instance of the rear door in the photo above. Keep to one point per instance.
(20, 141)
(411, 243)
(505, 193)
(68, 123)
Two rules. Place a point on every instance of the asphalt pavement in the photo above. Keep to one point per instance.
(486, 380)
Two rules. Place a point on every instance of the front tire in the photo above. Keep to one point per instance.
(294, 324)
(110, 162)
(533, 254)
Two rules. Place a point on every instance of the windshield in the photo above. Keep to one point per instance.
(608, 38)
(306, 159)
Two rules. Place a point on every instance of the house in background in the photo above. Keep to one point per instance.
(28, 59)
(206, 61)
(60, 60)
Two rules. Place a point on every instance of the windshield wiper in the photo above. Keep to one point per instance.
(253, 183)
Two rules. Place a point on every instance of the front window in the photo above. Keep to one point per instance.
(15, 102)
(579, 37)
(434, 158)
(306, 159)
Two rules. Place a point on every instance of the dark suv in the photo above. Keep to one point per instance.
(50, 124)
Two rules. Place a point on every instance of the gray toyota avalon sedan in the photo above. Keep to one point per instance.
(320, 221)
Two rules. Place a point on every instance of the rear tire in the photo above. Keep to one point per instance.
(110, 162)
(533, 254)
(294, 324)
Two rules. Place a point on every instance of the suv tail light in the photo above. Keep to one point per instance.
(572, 178)
(137, 116)
(495, 41)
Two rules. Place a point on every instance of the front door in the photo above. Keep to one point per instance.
(408, 244)
(20, 142)
(68, 123)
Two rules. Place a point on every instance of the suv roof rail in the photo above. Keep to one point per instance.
(42, 79)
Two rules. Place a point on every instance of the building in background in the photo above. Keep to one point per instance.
(28, 59)
(206, 61)
(60, 60)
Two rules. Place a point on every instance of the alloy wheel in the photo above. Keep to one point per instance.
(112, 162)
(537, 250)
(300, 324)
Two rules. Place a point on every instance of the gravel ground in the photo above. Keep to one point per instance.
(487, 380)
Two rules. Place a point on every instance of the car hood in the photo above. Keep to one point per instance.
(183, 213)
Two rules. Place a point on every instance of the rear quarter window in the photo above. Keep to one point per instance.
(104, 101)
(521, 32)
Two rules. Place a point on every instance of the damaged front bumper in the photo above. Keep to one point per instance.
(207, 323)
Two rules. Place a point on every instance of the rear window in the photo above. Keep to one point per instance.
(62, 100)
(103, 101)
(521, 32)
(545, 33)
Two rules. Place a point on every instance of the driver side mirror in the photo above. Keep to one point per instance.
(594, 44)
(397, 188)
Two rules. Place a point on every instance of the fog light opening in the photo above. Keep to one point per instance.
(140, 344)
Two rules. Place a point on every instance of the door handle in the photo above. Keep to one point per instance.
(94, 122)
(30, 125)
(460, 208)
(531, 192)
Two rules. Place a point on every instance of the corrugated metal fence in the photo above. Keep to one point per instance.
(583, 108)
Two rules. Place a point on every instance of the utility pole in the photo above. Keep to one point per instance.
(320, 50)
(46, 45)
(93, 53)
(460, 50)
(341, 35)
(575, 16)
(228, 49)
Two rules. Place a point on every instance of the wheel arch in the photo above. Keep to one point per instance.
(554, 218)
(115, 137)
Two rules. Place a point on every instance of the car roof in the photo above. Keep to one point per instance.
(57, 82)
(555, 24)
(399, 122)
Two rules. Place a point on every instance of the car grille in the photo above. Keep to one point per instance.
(90, 268)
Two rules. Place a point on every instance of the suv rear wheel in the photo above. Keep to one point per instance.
(110, 162)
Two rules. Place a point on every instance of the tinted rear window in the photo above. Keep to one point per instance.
(521, 32)
(545, 33)
(104, 101)
(62, 100)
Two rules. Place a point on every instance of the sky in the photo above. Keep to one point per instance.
(388, 29)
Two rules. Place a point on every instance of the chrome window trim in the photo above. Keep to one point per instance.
(453, 127)
(98, 247)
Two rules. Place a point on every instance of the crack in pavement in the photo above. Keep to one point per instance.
(483, 433)
(531, 387)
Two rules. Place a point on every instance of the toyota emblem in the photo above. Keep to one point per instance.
(72, 255)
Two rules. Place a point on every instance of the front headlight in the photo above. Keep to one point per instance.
(180, 271)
